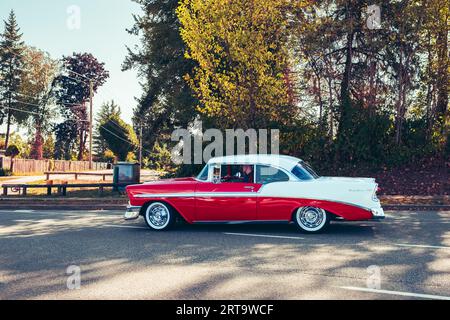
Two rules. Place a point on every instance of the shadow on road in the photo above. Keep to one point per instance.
(202, 261)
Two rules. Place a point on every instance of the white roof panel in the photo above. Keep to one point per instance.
(285, 162)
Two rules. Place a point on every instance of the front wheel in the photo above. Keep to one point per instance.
(159, 216)
(311, 219)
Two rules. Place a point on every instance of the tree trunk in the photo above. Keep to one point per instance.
(319, 96)
(345, 97)
(8, 129)
(37, 152)
(442, 85)
(82, 142)
(330, 107)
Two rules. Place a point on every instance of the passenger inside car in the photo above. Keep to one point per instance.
(237, 173)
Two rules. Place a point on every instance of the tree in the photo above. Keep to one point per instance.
(72, 91)
(107, 110)
(167, 100)
(11, 62)
(119, 136)
(12, 151)
(242, 55)
(48, 147)
(66, 134)
(36, 95)
(436, 76)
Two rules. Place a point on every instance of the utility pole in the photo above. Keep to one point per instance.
(140, 145)
(91, 95)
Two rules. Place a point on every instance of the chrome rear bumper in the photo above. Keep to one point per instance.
(377, 213)
(132, 212)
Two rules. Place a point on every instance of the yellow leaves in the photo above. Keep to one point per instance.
(239, 49)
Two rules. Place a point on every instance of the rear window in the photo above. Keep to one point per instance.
(303, 171)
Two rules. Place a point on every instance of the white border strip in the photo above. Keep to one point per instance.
(398, 293)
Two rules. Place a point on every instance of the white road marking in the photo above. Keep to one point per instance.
(122, 226)
(420, 246)
(398, 293)
(24, 211)
(261, 235)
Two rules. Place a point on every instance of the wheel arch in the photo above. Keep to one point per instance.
(332, 215)
(345, 211)
(168, 203)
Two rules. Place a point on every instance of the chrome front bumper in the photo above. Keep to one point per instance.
(132, 212)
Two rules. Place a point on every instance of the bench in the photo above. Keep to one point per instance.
(62, 187)
(103, 175)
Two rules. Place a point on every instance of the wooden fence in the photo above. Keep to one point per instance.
(41, 166)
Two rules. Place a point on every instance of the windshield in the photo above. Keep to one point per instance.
(203, 175)
(303, 171)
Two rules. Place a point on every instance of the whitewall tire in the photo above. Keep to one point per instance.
(159, 216)
(311, 219)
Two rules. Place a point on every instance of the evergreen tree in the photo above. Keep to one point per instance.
(11, 62)
(167, 100)
(107, 110)
(119, 137)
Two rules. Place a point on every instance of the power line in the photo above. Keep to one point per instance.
(21, 110)
(62, 66)
(72, 104)
(102, 126)
(41, 105)
(36, 113)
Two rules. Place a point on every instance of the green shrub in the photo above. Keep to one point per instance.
(5, 172)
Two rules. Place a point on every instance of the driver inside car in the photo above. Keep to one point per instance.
(246, 174)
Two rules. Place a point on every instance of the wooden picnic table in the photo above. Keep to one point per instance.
(76, 173)
(62, 187)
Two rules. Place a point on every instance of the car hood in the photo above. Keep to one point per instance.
(174, 180)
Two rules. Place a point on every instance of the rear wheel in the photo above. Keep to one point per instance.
(159, 216)
(311, 219)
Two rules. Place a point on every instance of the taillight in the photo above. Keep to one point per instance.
(374, 195)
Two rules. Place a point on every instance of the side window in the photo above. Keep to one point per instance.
(268, 174)
(237, 173)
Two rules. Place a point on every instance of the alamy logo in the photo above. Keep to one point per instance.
(74, 279)
(190, 148)
(74, 19)
(373, 21)
(374, 278)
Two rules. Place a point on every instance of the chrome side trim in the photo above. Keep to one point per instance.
(235, 194)
(198, 194)
(238, 221)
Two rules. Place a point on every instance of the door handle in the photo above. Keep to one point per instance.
(249, 187)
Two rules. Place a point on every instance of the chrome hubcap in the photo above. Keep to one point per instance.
(311, 218)
(158, 215)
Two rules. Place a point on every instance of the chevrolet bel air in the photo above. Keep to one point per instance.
(255, 188)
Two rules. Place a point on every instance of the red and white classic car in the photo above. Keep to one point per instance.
(255, 188)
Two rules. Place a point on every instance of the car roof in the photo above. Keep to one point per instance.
(285, 162)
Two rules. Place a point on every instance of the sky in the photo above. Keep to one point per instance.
(63, 27)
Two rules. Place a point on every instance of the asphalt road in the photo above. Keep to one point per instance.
(406, 256)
